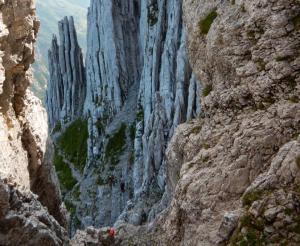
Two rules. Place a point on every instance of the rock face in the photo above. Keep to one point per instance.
(18, 32)
(139, 88)
(234, 173)
(25, 157)
(24, 220)
(239, 164)
(67, 86)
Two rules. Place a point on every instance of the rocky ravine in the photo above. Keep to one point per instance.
(25, 155)
(233, 174)
(239, 164)
(139, 88)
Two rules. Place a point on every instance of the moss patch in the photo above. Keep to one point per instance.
(291, 82)
(140, 115)
(64, 173)
(282, 58)
(73, 142)
(250, 197)
(132, 130)
(205, 146)
(153, 13)
(116, 144)
(296, 22)
(70, 207)
(99, 125)
(196, 130)
(76, 192)
(100, 181)
(294, 99)
(206, 90)
(57, 128)
(261, 65)
(205, 24)
(253, 234)
(298, 161)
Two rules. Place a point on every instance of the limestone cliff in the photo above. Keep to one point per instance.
(67, 86)
(233, 173)
(140, 87)
(25, 154)
(239, 172)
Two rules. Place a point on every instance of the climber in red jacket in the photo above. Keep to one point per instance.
(111, 232)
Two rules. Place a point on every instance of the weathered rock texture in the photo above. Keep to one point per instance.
(239, 164)
(234, 173)
(18, 32)
(24, 154)
(67, 86)
(139, 88)
(24, 220)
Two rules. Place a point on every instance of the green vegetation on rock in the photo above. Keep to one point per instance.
(253, 232)
(100, 181)
(116, 144)
(206, 90)
(296, 22)
(204, 24)
(250, 197)
(76, 192)
(70, 207)
(132, 130)
(152, 13)
(57, 127)
(64, 173)
(298, 161)
(73, 142)
(140, 115)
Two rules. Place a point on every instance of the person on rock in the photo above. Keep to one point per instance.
(122, 186)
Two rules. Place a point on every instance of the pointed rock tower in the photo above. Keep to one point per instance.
(67, 85)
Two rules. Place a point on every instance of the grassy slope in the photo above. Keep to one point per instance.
(49, 13)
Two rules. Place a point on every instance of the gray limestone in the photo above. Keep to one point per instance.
(138, 77)
(67, 85)
(137, 73)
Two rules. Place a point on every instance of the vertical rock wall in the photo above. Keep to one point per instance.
(138, 76)
(25, 153)
(139, 88)
(67, 86)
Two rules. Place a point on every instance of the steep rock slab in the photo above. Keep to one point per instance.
(24, 221)
(235, 172)
(139, 88)
(67, 86)
(18, 32)
(238, 164)
(112, 55)
(23, 125)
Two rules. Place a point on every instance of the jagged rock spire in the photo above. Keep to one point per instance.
(67, 84)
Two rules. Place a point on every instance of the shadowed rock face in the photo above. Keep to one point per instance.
(24, 220)
(235, 173)
(138, 75)
(67, 86)
(139, 88)
(24, 151)
(235, 160)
